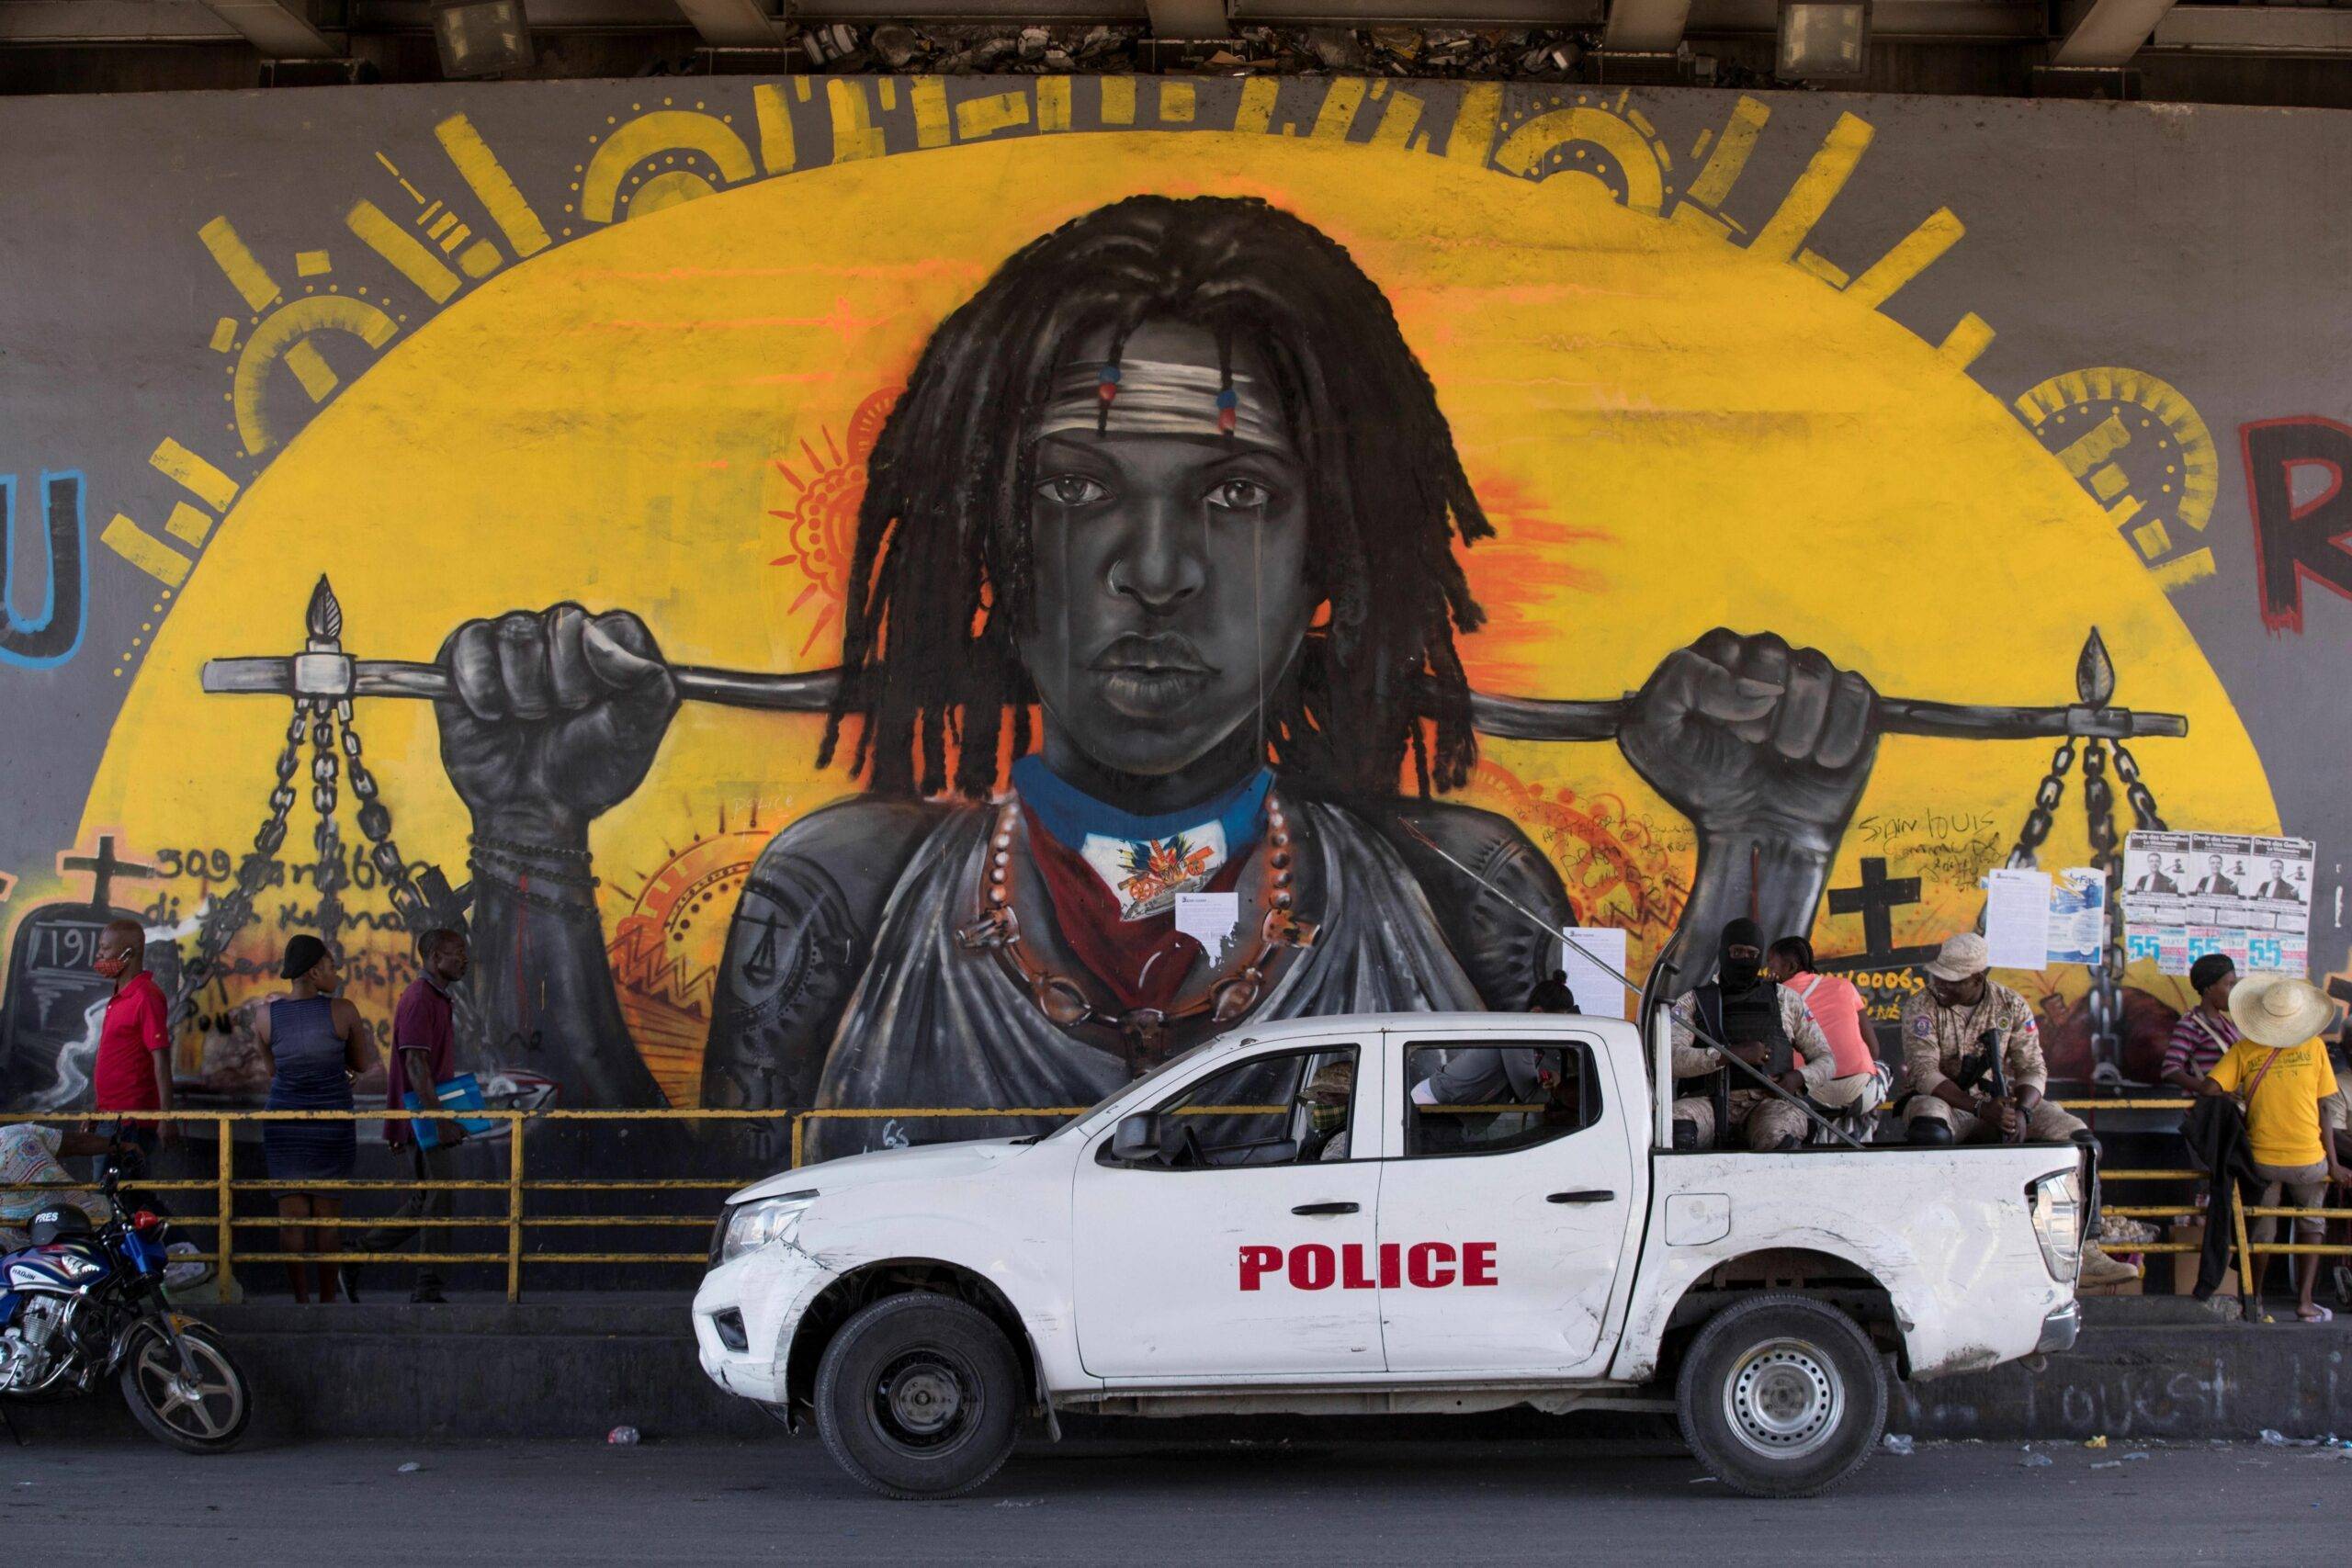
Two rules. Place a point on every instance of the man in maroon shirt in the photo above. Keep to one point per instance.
(424, 1055)
(134, 1066)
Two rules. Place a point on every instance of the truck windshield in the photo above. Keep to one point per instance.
(1121, 1092)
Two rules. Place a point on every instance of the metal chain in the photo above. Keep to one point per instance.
(229, 916)
(2045, 801)
(327, 836)
(414, 907)
(375, 822)
(2144, 804)
(330, 729)
(2106, 999)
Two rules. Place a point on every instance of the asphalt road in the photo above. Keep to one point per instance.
(1178, 1501)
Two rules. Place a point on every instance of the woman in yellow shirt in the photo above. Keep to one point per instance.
(2279, 1073)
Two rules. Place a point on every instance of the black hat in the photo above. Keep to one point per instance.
(302, 956)
(2208, 970)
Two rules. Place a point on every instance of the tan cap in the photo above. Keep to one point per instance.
(1961, 956)
(2279, 1010)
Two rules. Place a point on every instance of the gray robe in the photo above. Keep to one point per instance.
(932, 1024)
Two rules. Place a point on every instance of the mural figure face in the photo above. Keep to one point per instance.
(1121, 483)
(1172, 589)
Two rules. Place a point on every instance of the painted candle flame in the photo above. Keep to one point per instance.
(324, 617)
(2095, 672)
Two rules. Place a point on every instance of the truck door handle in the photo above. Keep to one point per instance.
(1325, 1209)
(1584, 1195)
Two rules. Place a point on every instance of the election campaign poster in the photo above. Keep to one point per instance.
(2187, 894)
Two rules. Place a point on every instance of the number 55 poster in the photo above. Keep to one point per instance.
(2186, 895)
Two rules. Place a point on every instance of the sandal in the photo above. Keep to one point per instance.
(2316, 1314)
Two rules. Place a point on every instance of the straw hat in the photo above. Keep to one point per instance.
(2279, 1010)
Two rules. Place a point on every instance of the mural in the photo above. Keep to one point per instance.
(808, 575)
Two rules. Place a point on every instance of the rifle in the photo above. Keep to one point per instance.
(1985, 1066)
(1780, 1055)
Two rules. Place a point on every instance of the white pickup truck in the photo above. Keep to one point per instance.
(1275, 1221)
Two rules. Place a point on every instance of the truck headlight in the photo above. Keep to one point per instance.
(2057, 1223)
(752, 1225)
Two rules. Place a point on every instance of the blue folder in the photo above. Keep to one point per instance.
(462, 1092)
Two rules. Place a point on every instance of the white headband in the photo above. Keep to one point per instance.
(1154, 397)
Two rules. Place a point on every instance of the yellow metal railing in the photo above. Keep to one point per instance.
(2239, 1243)
(515, 1218)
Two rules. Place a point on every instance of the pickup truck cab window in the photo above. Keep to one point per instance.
(1217, 1222)
(1477, 1097)
(1290, 1108)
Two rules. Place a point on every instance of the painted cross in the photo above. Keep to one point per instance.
(1876, 900)
(104, 868)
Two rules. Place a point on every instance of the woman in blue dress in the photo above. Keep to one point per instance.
(314, 1044)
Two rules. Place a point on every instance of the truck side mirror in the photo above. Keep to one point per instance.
(1136, 1141)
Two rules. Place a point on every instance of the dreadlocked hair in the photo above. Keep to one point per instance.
(942, 573)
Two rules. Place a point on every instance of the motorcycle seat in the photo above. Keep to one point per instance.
(55, 1225)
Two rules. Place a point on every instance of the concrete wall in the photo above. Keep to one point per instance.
(1933, 387)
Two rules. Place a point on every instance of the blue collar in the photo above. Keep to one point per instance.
(1070, 814)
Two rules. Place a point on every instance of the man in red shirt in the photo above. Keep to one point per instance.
(135, 1066)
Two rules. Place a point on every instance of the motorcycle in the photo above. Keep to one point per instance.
(83, 1305)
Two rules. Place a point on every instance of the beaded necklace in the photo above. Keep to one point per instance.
(1141, 1034)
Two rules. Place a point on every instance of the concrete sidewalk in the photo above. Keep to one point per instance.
(573, 1366)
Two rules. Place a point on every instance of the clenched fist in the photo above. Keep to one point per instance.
(1745, 734)
(555, 719)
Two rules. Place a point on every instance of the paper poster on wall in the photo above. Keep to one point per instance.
(1598, 993)
(2017, 919)
(2245, 895)
(1208, 919)
(2077, 915)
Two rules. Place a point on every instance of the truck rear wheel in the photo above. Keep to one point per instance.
(1781, 1396)
(918, 1395)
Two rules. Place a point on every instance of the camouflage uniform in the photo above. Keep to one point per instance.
(1766, 1120)
(1935, 1038)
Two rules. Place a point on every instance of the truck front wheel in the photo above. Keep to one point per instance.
(917, 1396)
(1781, 1396)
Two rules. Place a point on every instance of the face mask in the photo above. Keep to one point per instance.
(111, 968)
(1740, 974)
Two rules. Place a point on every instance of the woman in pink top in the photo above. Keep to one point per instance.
(1842, 1014)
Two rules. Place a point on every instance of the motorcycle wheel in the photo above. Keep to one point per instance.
(207, 1417)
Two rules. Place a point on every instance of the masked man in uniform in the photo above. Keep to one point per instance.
(1760, 1022)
